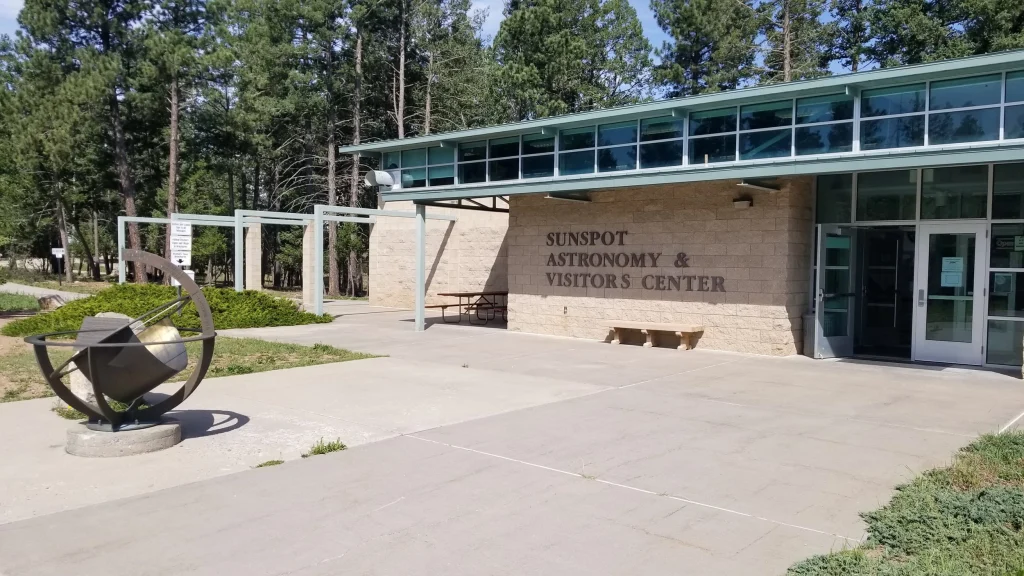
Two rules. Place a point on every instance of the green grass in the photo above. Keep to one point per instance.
(17, 303)
(67, 412)
(964, 519)
(230, 309)
(269, 463)
(322, 447)
(231, 356)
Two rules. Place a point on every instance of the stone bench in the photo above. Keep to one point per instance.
(687, 332)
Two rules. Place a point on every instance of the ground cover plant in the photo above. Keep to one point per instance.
(17, 303)
(248, 309)
(322, 447)
(965, 519)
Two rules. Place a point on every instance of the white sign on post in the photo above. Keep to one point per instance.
(181, 244)
(190, 273)
(57, 252)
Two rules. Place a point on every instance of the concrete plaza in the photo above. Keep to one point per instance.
(479, 451)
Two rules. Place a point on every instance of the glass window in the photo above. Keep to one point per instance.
(391, 160)
(887, 195)
(1007, 247)
(713, 121)
(507, 169)
(1014, 122)
(614, 159)
(538, 144)
(413, 158)
(965, 92)
(714, 149)
(614, 134)
(576, 138)
(834, 198)
(896, 100)
(539, 166)
(824, 109)
(469, 151)
(661, 154)
(766, 144)
(954, 192)
(415, 178)
(472, 173)
(1005, 338)
(892, 133)
(770, 115)
(1007, 297)
(1015, 87)
(505, 147)
(438, 155)
(663, 128)
(824, 138)
(964, 126)
(576, 163)
(441, 175)
(1008, 191)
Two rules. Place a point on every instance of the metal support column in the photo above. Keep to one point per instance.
(239, 252)
(318, 260)
(421, 267)
(122, 273)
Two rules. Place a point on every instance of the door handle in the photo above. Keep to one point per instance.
(920, 297)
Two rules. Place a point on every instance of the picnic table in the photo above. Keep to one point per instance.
(489, 303)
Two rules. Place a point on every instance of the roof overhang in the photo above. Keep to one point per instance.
(844, 83)
(802, 166)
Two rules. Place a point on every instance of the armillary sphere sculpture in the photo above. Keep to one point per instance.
(125, 359)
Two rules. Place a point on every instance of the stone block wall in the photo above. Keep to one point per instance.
(467, 255)
(745, 275)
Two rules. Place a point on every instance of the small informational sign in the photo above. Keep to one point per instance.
(181, 244)
(952, 279)
(190, 273)
(1018, 243)
(954, 264)
(1002, 283)
(57, 252)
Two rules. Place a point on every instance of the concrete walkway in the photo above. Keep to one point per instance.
(543, 456)
(15, 288)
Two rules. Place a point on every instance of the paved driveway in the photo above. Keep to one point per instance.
(669, 463)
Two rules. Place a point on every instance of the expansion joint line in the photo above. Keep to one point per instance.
(635, 489)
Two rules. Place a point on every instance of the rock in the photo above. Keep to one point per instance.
(80, 385)
(50, 303)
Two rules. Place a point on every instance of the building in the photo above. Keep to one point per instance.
(877, 214)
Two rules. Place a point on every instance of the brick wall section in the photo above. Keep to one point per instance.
(762, 252)
(466, 255)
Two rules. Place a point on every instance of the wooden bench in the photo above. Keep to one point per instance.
(445, 307)
(687, 332)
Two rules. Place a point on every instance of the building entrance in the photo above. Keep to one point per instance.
(884, 291)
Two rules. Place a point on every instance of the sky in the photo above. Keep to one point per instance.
(9, 13)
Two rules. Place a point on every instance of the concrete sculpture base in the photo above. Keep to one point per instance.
(96, 444)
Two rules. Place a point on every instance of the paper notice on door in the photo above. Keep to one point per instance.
(955, 264)
(952, 279)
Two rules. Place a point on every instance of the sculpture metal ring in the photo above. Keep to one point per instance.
(149, 415)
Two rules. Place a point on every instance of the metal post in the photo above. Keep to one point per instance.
(121, 273)
(239, 252)
(318, 259)
(421, 257)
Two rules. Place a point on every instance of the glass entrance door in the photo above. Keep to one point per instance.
(949, 291)
(833, 308)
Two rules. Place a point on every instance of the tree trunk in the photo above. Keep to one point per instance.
(96, 245)
(256, 187)
(354, 276)
(172, 171)
(62, 228)
(125, 181)
(400, 110)
(787, 44)
(90, 255)
(231, 190)
(333, 275)
(855, 57)
(243, 190)
(430, 81)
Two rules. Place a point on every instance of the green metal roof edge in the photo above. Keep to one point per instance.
(999, 61)
(786, 167)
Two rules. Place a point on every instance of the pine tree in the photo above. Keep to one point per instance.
(915, 31)
(850, 32)
(562, 56)
(796, 42)
(711, 47)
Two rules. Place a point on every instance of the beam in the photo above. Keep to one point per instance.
(440, 204)
(239, 252)
(421, 259)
